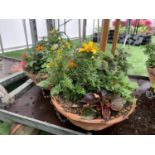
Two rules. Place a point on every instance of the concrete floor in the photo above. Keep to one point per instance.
(5, 65)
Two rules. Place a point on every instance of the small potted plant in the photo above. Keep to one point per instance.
(39, 58)
(150, 63)
(34, 61)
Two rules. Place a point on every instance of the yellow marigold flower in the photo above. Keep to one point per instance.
(72, 64)
(90, 48)
(39, 48)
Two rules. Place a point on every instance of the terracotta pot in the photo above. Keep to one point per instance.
(91, 125)
(151, 73)
(34, 78)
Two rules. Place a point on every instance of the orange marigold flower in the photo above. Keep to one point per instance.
(39, 48)
(89, 48)
(72, 64)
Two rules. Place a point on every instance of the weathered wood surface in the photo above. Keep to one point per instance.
(79, 29)
(21, 89)
(1, 45)
(116, 35)
(10, 58)
(104, 34)
(51, 128)
(33, 105)
(33, 28)
(12, 78)
(34, 110)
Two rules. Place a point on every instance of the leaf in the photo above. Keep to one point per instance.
(80, 90)
(31, 64)
(133, 85)
(90, 98)
(44, 84)
(102, 94)
(67, 82)
(56, 90)
(88, 113)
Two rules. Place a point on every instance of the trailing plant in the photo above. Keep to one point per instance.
(150, 52)
(34, 58)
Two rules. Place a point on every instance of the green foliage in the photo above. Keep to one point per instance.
(150, 52)
(121, 59)
(44, 84)
(72, 75)
(122, 29)
(34, 62)
(5, 128)
(56, 90)
(39, 58)
(89, 113)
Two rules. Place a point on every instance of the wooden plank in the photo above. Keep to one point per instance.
(1, 44)
(21, 89)
(49, 25)
(51, 128)
(104, 36)
(25, 32)
(58, 24)
(12, 78)
(98, 30)
(116, 35)
(65, 25)
(10, 58)
(84, 29)
(54, 24)
(33, 27)
(79, 28)
(93, 26)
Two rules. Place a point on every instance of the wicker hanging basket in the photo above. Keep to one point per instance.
(91, 125)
